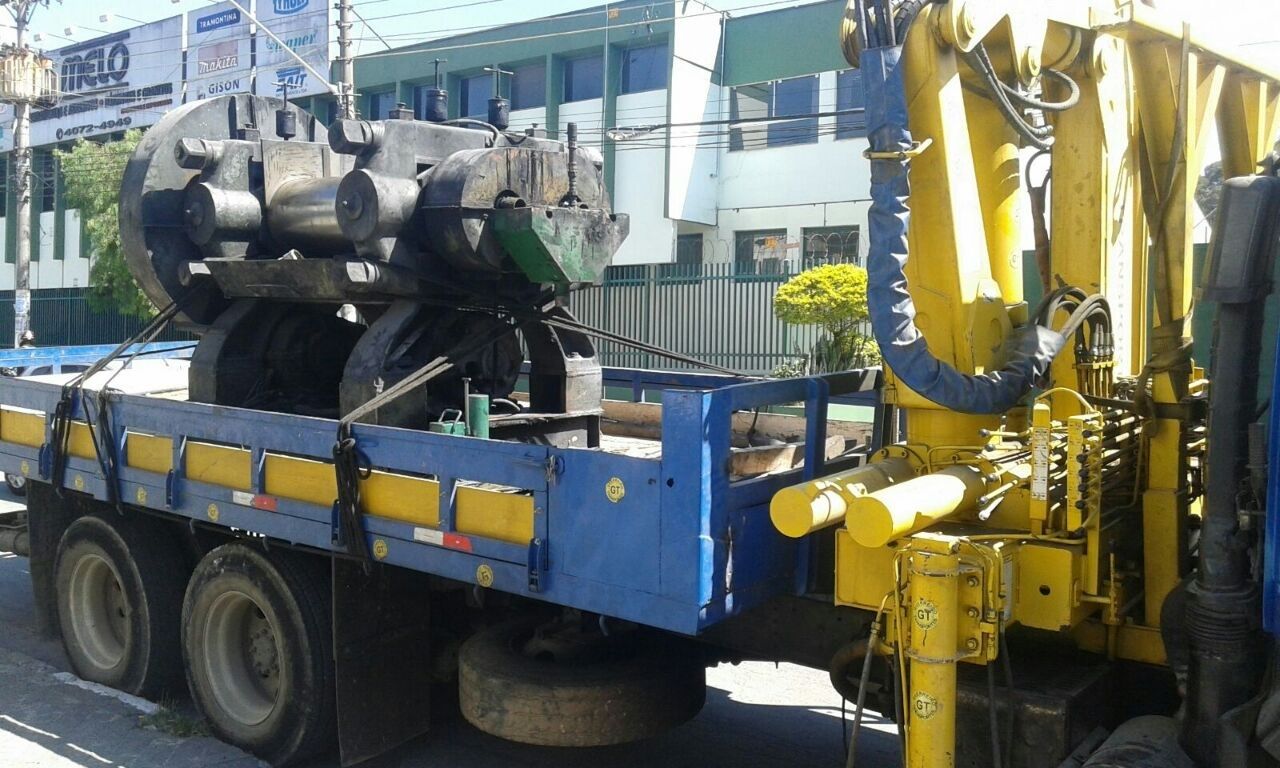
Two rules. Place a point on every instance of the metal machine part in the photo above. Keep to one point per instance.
(430, 232)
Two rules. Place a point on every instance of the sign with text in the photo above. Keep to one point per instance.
(123, 80)
(303, 26)
(219, 52)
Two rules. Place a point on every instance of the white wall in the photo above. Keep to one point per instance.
(640, 184)
(528, 118)
(824, 184)
(46, 271)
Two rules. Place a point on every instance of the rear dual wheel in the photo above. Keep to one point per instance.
(257, 640)
(119, 598)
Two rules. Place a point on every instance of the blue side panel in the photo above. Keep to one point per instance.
(1271, 571)
(605, 520)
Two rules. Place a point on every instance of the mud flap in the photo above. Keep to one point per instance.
(48, 516)
(381, 643)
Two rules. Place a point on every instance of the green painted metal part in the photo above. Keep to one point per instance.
(561, 246)
(478, 416)
(450, 423)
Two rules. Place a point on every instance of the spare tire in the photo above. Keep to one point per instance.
(642, 686)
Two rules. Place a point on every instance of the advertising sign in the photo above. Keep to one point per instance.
(302, 25)
(219, 52)
(123, 80)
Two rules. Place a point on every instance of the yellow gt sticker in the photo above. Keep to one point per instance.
(614, 490)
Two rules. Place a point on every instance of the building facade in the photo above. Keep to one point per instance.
(726, 139)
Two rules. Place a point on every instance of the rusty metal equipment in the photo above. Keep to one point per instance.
(322, 268)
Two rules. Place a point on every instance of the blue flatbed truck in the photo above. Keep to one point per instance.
(178, 543)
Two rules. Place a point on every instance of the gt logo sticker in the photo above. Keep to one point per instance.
(924, 706)
(925, 614)
(614, 490)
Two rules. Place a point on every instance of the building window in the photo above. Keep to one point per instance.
(781, 98)
(759, 252)
(529, 86)
(831, 245)
(584, 78)
(644, 69)
(849, 95)
(476, 92)
(381, 104)
(45, 193)
(689, 248)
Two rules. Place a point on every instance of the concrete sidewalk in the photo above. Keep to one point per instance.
(48, 723)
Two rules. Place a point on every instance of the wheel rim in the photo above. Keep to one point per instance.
(98, 611)
(16, 481)
(242, 658)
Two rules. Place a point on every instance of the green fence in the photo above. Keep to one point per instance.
(718, 313)
(62, 316)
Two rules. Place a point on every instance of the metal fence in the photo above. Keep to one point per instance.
(63, 316)
(718, 313)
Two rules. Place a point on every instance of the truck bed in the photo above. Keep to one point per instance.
(666, 525)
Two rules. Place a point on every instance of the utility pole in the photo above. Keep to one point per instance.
(32, 79)
(347, 96)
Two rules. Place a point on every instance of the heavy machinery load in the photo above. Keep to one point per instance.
(259, 227)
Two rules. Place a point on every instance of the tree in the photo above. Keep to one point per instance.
(92, 173)
(833, 296)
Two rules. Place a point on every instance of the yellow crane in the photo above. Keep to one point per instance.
(1056, 472)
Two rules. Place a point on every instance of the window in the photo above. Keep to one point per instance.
(529, 86)
(689, 249)
(381, 104)
(782, 98)
(644, 69)
(849, 95)
(831, 245)
(584, 78)
(476, 92)
(759, 252)
(420, 100)
(45, 193)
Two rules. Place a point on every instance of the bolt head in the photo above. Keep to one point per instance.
(191, 154)
(971, 644)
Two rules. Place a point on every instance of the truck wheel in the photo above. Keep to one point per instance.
(257, 639)
(516, 685)
(119, 596)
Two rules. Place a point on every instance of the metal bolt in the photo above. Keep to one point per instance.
(971, 644)
(191, 154)
(350, 136)
(972, 612)
(972, 581)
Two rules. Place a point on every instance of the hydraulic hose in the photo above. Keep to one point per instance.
(1029, 351)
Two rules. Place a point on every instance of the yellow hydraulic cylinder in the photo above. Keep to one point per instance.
(801, 509)
(891, 513)
(933, 583)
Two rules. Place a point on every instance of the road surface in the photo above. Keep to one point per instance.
(757, 716)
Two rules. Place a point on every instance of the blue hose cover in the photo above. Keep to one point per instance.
(1029, 351)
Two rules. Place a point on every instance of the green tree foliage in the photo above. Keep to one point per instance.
(92, 173)
(833, 296)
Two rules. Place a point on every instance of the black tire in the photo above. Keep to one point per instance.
(118, 592)
(643, 690)
(17, 484)
(257, 638)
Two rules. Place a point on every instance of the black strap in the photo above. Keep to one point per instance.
(73, 391)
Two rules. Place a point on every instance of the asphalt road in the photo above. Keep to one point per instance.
(757, 716)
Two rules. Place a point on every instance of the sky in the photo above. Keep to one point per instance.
(1246, 23)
